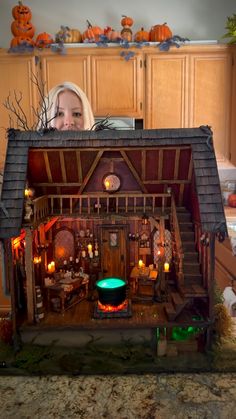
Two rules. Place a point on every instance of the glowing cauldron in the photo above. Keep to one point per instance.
(111, 291)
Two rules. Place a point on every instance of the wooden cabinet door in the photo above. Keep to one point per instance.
(210, 96)
(233, 111)
(117, 85)
(166, 91)
(16, 79)
(58, 68)
(113, 252)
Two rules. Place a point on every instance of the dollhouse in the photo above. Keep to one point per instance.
(116, 227)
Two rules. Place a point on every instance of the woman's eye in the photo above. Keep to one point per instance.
(77, 114)
(59, 114)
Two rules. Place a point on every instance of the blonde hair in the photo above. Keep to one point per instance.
(52, 102)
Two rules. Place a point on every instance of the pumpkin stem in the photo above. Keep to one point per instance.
(123, 15)
(20, 3)
(89, 24)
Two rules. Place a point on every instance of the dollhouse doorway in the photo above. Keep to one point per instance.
(113, 251)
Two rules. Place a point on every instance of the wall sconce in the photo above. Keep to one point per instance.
(168, 190)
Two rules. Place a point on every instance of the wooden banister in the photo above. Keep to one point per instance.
(179, 254)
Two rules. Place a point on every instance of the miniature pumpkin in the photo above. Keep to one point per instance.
(126, 21)
(111, 34)
(22, 41)
(142, 36)
(43, 40)
(92, 33)
(73, 35)
(160, 33)
(232, 200)
(21, 28)
(21, 12)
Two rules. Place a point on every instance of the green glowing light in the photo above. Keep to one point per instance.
(108, 283)
(183, 333)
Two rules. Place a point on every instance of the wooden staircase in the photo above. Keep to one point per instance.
(192, 285)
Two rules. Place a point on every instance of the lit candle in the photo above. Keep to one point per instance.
(52, 266)
(96, 253)
(49, 267)
(107, 184)
(166, 267)
(90, 247)
(140, 263)
(83, 254)
(91, 255)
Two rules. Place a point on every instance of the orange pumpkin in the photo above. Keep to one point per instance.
(142, 36)
(43, 40)
(92, 33)
(21, 12)
(21, 40)
(232, 200)
(160, 33)
(111, 34)
(126, 21)
(21, 28)
(73, 35)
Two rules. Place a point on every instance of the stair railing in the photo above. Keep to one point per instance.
(179, 254)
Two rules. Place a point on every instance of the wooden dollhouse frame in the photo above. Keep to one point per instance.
(169, 176)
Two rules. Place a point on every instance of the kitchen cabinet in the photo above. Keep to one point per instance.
(16, 78)
(189, 88)
(233, 110)
(186, 87)
(114, 86)
(166, 90)
(57, 68)
(117, 85)
(210, 96)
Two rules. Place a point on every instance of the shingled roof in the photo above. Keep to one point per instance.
(199, 140)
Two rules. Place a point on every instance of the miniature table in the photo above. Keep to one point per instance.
(77, 288)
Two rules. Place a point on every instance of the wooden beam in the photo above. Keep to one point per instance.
(160, 164)
(91, 170)
(176, 171)
(29, 275)
(143, 163)
(63, 167)
(78, 159)
(190, 169)
(133, 171)
(47, 165)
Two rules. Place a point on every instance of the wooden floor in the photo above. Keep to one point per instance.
(81, 316)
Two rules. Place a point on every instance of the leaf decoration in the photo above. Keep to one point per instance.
(175, 41)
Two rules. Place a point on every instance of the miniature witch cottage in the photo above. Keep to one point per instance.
(143, 207)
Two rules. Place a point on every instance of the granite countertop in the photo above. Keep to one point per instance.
(119, 397)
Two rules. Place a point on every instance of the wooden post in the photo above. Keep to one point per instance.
(10, 277)
(211, 284)
(29, 275)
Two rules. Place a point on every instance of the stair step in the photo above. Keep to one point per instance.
(185, 226)
(191, 267)
(188, 246)
(191, 256)
(177, 299)
(187, 236)
(170, 311)
(192, 291)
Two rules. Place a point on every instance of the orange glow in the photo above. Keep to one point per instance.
(37, 260)
(27, 192)
(107, 184)
(109, 308)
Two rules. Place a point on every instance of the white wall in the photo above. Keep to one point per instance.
(194, 19)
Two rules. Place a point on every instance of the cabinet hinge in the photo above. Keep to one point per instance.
(37, 61)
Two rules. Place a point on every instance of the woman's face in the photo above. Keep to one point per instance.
(69, 113)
